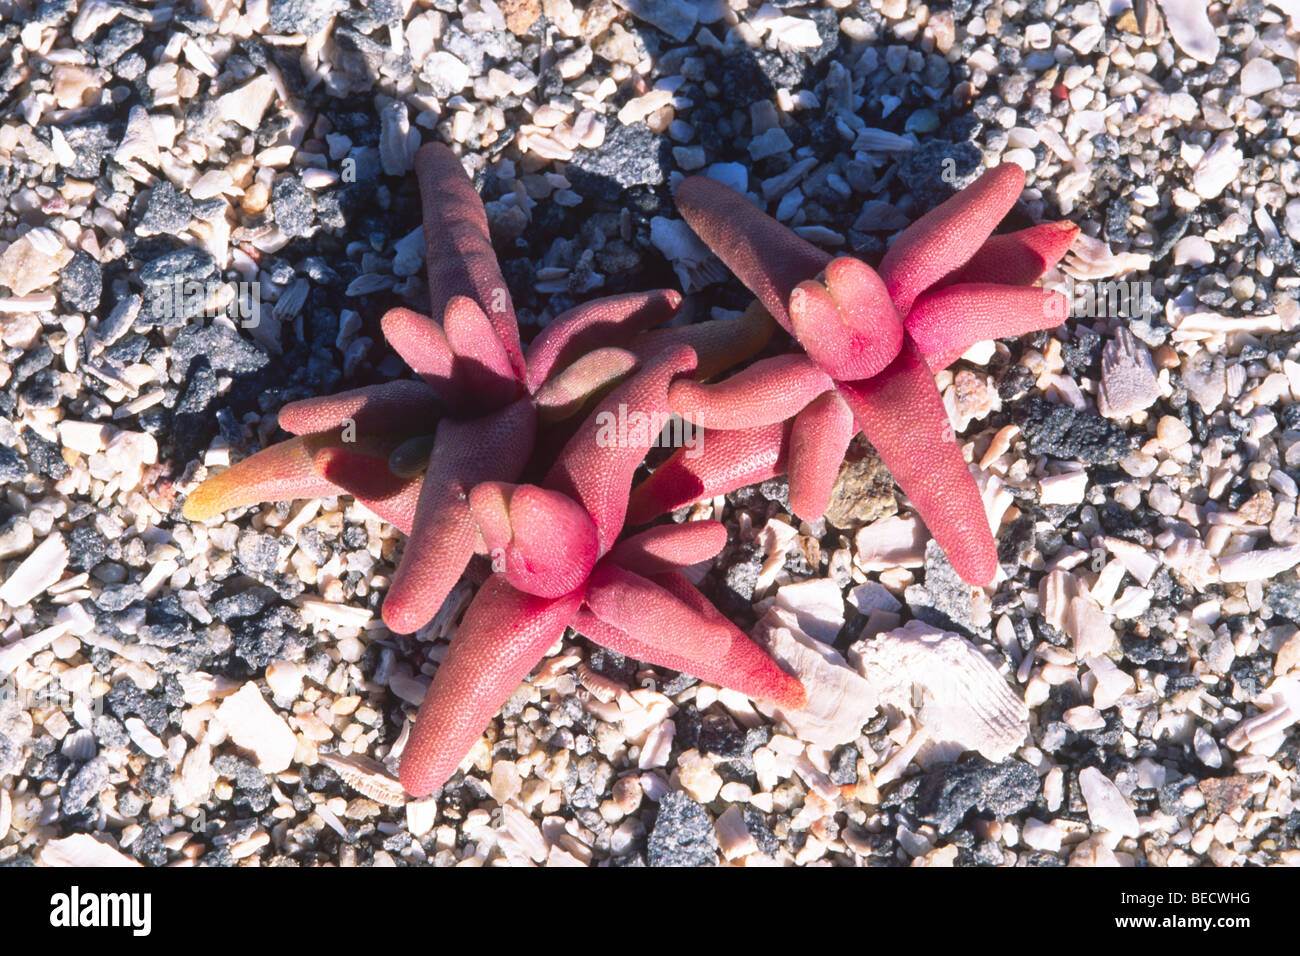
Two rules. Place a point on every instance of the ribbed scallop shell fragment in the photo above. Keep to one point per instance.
(964, 699)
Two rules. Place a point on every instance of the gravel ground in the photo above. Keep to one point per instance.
(227, 695)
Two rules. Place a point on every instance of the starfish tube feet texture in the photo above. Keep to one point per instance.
(558, 569)
(875, 337)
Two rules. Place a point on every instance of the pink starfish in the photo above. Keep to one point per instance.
(412, 450)
(869, 343)
(560, 566)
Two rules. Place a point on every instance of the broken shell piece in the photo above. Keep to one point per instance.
(1128, 377)
(1107, 808)
(1068, 606)
(839, 701)
(891, 542)
(254, 726)
(817, 605)
(80, 850)
(367, 776)
(1258, 565)
(965, 700)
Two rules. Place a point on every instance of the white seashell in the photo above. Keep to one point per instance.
(1066, 489)
(839, 701)
(82, 850)
(138, 142)
(79, 746)
(1107, 808)
(1137, 560)
(43, 567)
(255, 727)
(525, 833)
(1258, 565)
(882, 141)
(965, 701)
(734, 837)
(1189, 25)
(892, 542)
(246, 104)
(817, 605)
(396, 145)
(1218, 167)
(695, 265)
(1128, 377)
(366, 776)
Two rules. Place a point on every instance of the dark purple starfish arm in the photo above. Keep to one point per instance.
(596, 466)
(422, 344)
(718, 343)
(742, 665)
(946, 237)
(818, 440)
(400, 405)
(944, 324)
(444, 536)
(903, 416)
(670, 546)
(722, 462)
(613, 320)
(770, 390)
(503, 635)
(482, 366)
(1018, 258)
(652, 616)
(367, 478)
(766, 256)
(459, 255)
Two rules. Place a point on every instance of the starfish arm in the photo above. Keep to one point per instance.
(651, 615)
(459, 255)
(722, 461)
(443, 536)
(596, 466)
(743, 666)
(367, 478)
(422, 344)
(847, 322)
(279, 472)
(542, 540)
(668, 546)
(718, 343)
(613, 320)
(501, 638)
(818, 440)
(482, 366)
(766, 256)
(413, 405)
(946, 237)
(769, 391)
(903, 416)
(1018, 258)
(566, 393)
(944, 324)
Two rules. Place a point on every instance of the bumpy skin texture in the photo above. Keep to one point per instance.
(630, 599)
(943, 285)
(479, 403)
(475, 417)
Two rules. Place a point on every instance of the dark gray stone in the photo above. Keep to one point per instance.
(946, 795)
(682, 834)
